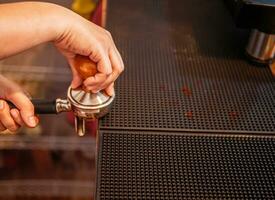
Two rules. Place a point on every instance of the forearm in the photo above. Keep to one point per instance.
(24, 25)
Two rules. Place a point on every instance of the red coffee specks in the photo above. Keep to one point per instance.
(188, 114)
(162, 87)
(186, 91)
(233, 114)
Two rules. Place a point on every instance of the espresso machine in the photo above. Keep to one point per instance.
(259, 17)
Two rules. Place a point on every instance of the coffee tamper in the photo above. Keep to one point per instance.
(84, 104)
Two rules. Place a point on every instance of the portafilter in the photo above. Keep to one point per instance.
(83, 103)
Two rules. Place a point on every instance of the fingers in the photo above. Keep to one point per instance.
(98, 83)
(16, 116)
(98, 45)
(25, 107)
(118, 67)
(100, 56)
(77, 81)
(109, 63)
(2, 127)
(5, 117)
(110, 90)
(94, 83)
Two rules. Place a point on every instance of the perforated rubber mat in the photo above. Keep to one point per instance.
(185, 70)
(138, 165)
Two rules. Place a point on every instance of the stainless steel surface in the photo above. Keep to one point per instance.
(261, 46)
(88, 100)
(80, 126)
(62, 105)
(86, 105)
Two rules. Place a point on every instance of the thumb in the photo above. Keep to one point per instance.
(77, 80)
(25, 107)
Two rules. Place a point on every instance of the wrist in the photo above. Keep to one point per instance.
(52, 20)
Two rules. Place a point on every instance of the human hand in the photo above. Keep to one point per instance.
(23, 114)
(81, 37)
(33, 23)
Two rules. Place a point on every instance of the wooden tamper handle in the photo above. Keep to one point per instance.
(84, 66)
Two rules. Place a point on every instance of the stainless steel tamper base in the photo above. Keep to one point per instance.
(88, 106)
(85, 106)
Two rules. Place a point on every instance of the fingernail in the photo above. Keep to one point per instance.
(32, 121)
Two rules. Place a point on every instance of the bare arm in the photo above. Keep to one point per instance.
(24, 25)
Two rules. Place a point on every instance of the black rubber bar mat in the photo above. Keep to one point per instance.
(185, 70)
(147, 165)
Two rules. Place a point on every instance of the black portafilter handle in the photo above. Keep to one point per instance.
(41, 106)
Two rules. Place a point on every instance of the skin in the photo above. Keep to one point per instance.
(27, 24)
